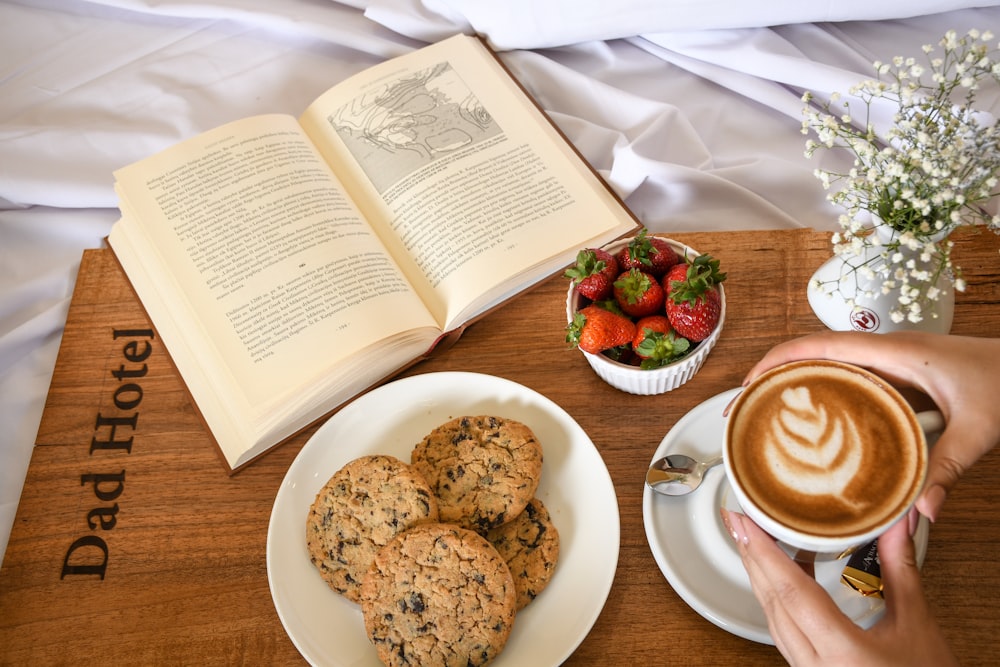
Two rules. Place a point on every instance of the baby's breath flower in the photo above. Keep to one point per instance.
(931, 171)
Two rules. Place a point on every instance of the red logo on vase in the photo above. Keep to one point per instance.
(863, 319)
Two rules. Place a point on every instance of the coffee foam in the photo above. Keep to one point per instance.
(810, 450)
(826, 450)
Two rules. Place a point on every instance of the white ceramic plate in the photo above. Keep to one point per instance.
(697, 556)
(575, 486)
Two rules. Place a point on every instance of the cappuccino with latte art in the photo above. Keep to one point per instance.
(823, 454)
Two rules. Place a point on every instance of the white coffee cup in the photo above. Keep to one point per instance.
(825, 456)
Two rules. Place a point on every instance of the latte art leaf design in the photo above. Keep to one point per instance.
(810, 450)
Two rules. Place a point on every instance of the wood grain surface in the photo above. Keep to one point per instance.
(121, 460)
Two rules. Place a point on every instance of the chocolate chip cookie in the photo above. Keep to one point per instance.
(530, 546)
(438, 594)
(360, 509)
(483, 469)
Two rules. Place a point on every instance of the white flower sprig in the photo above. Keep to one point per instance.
(932, 170)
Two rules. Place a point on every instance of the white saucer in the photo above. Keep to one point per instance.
(697, 556)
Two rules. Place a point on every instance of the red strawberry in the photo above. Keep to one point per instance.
(648, 253)
(693, 303)
(595, 329)
(594, 272)
(663, 256)
(657, 343)
(677, 272)
(649, 325)
(638, 294)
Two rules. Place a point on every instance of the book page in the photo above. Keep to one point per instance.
(462, 175)
(268, 261)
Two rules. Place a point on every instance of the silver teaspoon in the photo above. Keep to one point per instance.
(677, 474)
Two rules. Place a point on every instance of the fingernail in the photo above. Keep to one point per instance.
(729, 405)
(913, 520)
(934, 497)
(734, 525)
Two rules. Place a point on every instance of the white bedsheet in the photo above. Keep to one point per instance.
(689, 107)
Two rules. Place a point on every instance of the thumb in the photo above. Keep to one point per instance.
(908, 620)
(904, 596)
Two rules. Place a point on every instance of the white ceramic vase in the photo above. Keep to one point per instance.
(871, 312)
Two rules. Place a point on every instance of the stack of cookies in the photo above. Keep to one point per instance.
(442, 552)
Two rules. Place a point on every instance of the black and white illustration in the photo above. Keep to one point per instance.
(407, 123)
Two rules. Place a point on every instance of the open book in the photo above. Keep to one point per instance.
(289, 264)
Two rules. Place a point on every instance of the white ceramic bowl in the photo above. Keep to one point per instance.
(633, 379)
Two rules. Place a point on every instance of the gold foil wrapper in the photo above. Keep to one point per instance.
(863, 571)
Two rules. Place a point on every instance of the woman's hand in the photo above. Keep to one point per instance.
(960, 374)
(808, 627)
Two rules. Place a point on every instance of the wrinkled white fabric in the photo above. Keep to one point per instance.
(530, 24)
(690, 109)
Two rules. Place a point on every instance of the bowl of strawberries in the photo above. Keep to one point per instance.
(645, 311)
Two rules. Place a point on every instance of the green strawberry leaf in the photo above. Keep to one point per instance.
(660, 349)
